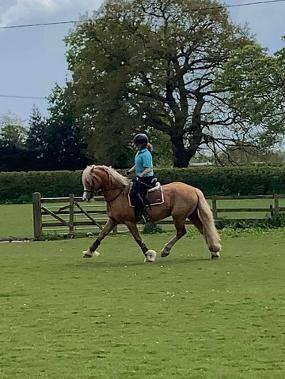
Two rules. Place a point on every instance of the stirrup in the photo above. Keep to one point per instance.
(145, 216)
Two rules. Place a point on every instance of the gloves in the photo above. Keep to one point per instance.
(136, 179)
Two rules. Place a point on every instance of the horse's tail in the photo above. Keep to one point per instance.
(209, 229)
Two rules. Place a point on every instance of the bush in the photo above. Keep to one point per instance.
(150, 228)
(18, 187)
(229, 180)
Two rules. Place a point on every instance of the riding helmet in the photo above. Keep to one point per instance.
(141, 139)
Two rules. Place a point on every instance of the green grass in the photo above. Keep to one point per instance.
(16, 220)
(115, 317)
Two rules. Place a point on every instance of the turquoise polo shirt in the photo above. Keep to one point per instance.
(143, 160)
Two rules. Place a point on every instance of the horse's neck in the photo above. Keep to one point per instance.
(111, 190)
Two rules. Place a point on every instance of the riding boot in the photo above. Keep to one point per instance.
(139, 208)
(138, 214)
(141, 214)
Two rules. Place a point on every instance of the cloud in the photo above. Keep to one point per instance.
(17, 11)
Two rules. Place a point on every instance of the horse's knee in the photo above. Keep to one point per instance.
(181, 233)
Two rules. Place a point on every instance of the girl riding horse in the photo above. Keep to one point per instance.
(181, 201)
(143, 168)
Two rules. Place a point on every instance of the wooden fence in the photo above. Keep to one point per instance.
(52, 219)
(50, 216)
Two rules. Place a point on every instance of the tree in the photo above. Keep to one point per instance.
(250, 155)
(257, 91)
(65, 147)
(56, 140)
(13, 134)
(13, 151)
(37, 140)
(145, 64)
(161, 148)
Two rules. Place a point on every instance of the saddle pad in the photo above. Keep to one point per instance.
(154, 196)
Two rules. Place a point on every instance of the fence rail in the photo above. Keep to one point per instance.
(49, 213)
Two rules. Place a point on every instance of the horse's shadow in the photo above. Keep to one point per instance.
(161, 262)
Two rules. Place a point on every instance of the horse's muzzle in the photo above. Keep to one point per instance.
(87, 195)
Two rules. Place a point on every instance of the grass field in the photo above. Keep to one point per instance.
(115, 317)
(16, 220)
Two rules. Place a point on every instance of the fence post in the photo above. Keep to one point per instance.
(214, 207)
(276, 206)
(71, 215)
(37, 216)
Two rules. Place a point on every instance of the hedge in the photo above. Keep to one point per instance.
(17, 187)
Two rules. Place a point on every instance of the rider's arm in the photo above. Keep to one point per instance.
(147, 164)
(131, 170)
(145, 172)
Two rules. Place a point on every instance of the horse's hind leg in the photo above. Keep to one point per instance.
(194, 218)
(180, 232)
(197, 222)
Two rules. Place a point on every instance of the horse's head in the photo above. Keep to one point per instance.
(91, 182)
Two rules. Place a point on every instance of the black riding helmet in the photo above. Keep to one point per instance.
(141, 139)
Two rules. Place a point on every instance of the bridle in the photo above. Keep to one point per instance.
(92, 192)
(116, 197)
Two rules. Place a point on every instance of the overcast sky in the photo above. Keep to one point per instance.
(32, 60)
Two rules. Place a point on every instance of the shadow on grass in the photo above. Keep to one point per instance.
(168, 262)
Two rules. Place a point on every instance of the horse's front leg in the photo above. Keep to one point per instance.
(150, 255)
(104, 232)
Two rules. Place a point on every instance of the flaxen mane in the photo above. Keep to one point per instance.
(114, 176)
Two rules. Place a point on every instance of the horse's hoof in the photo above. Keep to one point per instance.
(150, 256)
(164, 253)
(90, 254)
(216, 255)
(87, 254)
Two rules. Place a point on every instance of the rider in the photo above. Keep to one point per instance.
(143, 168)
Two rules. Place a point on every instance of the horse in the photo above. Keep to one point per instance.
(181, 201)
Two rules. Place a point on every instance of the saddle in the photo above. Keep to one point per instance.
(154, 195)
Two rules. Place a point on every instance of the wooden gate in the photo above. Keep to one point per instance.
(73, 214)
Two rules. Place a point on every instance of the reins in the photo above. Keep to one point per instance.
(115, 198)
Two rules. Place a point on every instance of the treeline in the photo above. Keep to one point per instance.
(192, 79)
(49, 143)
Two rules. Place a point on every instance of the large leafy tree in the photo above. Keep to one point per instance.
(152, 64)
(257, 91)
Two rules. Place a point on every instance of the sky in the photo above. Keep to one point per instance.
(32, 60)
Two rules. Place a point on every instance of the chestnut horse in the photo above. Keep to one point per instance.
(181, 201)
